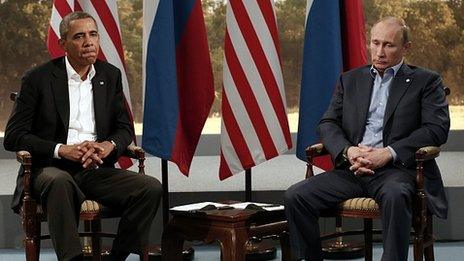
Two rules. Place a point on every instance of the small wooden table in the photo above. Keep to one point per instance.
(231, 227)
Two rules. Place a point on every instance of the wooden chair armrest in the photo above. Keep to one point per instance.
(134, 152)
(427, 153)
(423, 154)
(447, 90)
(13, 96)
(24, 157)
(316, 150)
(313, 151)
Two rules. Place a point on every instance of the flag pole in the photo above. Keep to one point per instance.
(187, 251)
(261, 250)
(165, 184)
(248, 197)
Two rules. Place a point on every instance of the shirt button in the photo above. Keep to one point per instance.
(381, 104)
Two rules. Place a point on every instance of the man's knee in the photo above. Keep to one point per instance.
(51, 178)
(398, 193)
(153, 188)
(293, 195)
(290, 195)
(52, 173)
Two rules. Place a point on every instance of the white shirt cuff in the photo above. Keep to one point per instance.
(393, 153)
(55, 152)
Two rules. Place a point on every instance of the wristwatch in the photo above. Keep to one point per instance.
(345, 154)
(114, 144)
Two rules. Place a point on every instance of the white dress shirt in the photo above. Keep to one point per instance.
(373, 134)
(81, 108)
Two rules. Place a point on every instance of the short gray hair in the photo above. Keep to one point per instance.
(64, 25)
(406, 32)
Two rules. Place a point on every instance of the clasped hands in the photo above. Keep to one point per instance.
(89, 153)
(365, 160)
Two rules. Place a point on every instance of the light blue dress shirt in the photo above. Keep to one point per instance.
(373, 135)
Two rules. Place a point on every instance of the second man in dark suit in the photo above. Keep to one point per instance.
(378, 117)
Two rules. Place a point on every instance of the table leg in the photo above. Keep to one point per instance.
(233, 245)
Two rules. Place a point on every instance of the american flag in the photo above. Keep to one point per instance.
(254, 121)
(106, 15)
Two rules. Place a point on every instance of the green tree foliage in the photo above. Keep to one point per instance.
(437, 29)
(23, 30)
(131, 23)
(215, 15)
(291, 21)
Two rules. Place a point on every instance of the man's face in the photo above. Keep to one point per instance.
(82, 42)
(387, 47)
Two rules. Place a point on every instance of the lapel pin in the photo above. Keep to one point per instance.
(408, 80)
(101, 82)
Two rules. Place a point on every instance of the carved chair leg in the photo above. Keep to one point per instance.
(87, 243)
(368, 239)
(32, 240)
(144, 256)
(172, 243)
(37, 239)
(96, 240)
(91, 245)
(428, 251)
(419, 240)
(418, 248)
(285, 246)
(32, 253)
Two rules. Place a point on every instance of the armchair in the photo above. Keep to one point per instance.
(367, 208)
(91, 212)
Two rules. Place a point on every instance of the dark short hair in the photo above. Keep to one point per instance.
(406, 32)
(64, 25)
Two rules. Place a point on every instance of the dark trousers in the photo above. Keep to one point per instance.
(392, 189)
(133, 195)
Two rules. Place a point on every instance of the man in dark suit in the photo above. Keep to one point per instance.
(378, 117)
(70, 115)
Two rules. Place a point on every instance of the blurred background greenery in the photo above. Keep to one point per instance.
(437, 28)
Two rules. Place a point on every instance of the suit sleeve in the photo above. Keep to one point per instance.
(18, 133)
(435, 123)
(330, 126)
(122, 132)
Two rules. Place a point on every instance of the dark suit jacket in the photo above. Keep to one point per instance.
(40, 117)
(416, 115)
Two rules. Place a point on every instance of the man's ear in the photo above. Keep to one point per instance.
(62, 42)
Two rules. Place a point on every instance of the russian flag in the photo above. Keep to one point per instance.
(179, 87)
(334, 42)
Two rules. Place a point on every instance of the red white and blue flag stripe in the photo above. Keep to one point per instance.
(254, 121)
(334, 42)
(105, 14)
(179, 87)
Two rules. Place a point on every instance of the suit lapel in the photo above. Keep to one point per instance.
(364, 92)
(61, 92)
(99, 99)
(398, 88)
